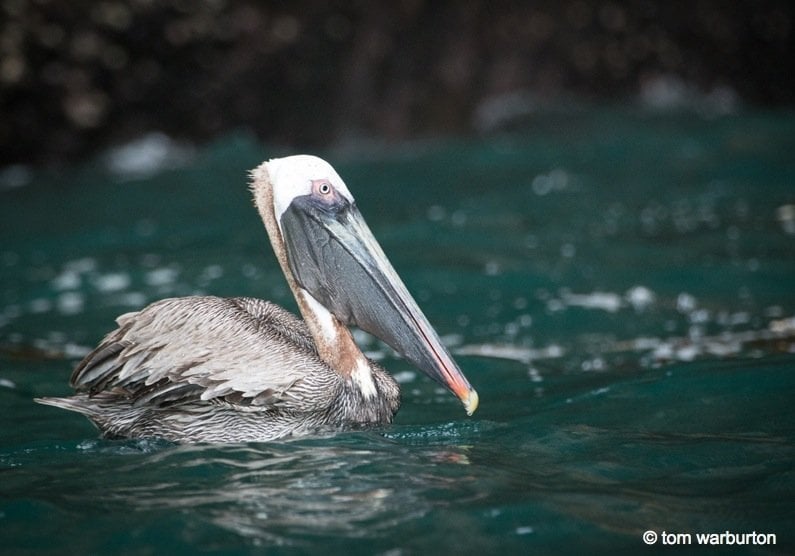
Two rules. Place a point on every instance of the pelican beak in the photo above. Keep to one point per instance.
(334, 256)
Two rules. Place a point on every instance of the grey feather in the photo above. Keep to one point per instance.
(240, 368)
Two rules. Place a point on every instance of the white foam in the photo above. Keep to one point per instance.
(606, 301)
(212, 272)
(66, 280)
(70, 303)
(685, 302)
(40, 305)
(86, 264)
(112, 282)
(161, 276)
(404, 377)
(148, 155)
(640, 297)
(510, 352)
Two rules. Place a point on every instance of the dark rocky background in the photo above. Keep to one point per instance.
(78, 76)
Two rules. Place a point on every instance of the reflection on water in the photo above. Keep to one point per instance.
(486, 483)
(284, 493)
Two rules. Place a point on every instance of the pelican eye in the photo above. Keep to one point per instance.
(322, 187)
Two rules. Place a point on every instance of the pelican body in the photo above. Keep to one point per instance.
(209, 369)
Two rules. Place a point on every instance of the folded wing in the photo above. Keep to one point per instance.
(243, 351)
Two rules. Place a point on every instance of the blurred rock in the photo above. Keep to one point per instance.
(77, 77)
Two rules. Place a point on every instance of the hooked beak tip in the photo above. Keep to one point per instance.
(471, 401)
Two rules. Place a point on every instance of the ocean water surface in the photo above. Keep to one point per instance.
(618, 286)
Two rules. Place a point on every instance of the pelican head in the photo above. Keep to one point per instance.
(339, 273)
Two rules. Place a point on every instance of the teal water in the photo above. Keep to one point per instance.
(619, 287)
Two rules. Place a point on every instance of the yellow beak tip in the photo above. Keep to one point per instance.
(471, 402)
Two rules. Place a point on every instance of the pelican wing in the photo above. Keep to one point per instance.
(243, 351)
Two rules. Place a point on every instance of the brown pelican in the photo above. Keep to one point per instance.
(209, 369)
